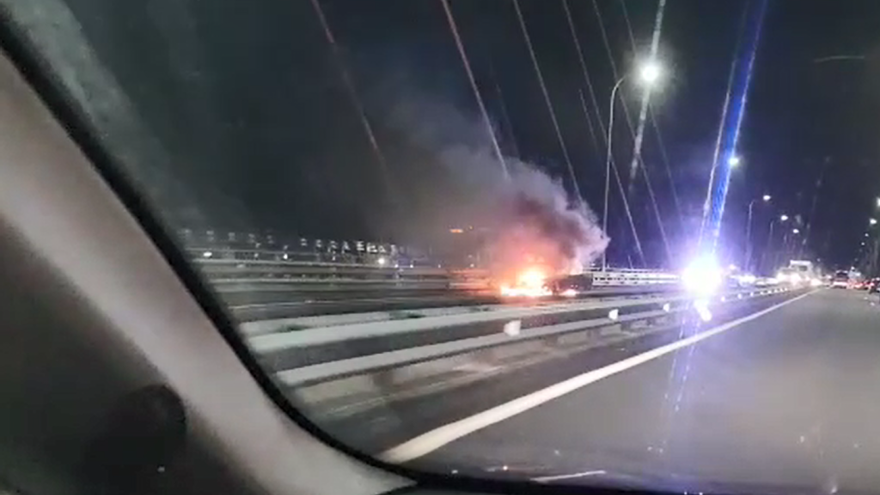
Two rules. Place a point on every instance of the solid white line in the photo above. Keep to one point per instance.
(545, 479)
(443, 435)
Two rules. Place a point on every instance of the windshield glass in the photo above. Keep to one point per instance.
(565, 241)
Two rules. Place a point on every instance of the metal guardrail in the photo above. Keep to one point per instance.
(264, 289)
(314, 356)
(256, 307)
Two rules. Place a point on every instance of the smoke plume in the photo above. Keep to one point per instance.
(526, 215)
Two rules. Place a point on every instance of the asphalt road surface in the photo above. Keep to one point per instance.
(787, 400)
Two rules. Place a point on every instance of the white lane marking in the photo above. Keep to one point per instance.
(443, 435)
(547, 479)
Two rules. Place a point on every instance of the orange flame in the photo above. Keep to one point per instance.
(532, 282)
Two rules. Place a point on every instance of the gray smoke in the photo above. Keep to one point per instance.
(528, 215)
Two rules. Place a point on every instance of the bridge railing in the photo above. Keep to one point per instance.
(226, 271)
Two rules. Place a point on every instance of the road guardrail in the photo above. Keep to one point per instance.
(313, 356)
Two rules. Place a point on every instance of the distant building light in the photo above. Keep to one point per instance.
(381, 261)
(285, 256)
(207, 254)
(456, 231)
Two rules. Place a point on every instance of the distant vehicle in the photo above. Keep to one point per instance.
(874, 285)
(840, 280)
(793, 276)
(572, 285)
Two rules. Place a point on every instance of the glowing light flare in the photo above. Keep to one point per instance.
(702, 277)
(702, 308)
(569, 293)
(650, 72)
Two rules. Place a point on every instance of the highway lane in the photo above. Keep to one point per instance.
(789, 399)
(381, 415)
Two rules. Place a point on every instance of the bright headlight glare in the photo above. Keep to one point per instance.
(702, 277)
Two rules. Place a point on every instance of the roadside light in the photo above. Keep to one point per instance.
(766, 197)
(650, 72)
(733, 161)
(381, 261)
(783, 218)
(872, 221)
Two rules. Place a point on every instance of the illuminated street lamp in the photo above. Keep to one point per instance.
(783, 218)
(766, 198)
(733, 161)
(795, 231)
(872, 221)
(878, 202)
(648, 73)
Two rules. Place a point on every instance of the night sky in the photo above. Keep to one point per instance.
(249, 101)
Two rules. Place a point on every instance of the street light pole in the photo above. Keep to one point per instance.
(648, 73)
(748, 256)
(608, 165)
(769, 246)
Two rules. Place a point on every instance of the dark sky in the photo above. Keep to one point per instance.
(249, 101)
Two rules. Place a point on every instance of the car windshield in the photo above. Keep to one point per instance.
(563, 241)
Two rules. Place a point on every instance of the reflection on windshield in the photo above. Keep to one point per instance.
(574, 242)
